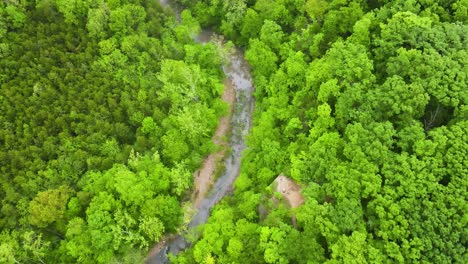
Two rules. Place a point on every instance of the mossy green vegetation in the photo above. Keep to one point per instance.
(364, 103)
(107, 109)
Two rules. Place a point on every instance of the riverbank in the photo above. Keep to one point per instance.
(206, 175)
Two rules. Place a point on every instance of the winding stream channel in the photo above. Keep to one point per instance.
(238, 74)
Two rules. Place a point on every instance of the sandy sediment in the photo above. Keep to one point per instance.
(205, 176)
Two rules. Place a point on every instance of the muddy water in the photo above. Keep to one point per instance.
(238, 73)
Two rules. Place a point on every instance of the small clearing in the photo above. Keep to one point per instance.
(289, 190)
(205, 176)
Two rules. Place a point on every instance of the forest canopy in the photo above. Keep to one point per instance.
(107, 109)
(364, 103)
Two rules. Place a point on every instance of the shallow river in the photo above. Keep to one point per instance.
(237, 71)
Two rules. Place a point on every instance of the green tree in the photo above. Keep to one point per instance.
(152, 227)
(48, 206)
(316, 9)
(267, 64)
(97, 22)
(271, 34)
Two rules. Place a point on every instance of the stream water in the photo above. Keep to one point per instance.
(237, 71)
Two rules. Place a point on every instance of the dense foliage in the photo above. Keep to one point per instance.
(364, 103)
(107, 108)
